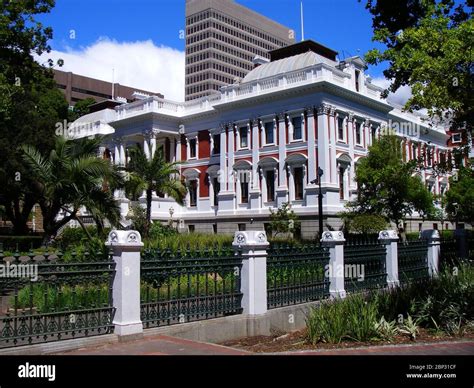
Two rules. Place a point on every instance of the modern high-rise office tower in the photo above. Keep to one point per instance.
(222, 40)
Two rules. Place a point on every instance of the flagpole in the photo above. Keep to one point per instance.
(302, 22)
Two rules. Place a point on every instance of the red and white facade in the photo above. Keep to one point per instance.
(260, 142)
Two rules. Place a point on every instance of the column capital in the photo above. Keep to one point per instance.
(350, 117)
(323, 109)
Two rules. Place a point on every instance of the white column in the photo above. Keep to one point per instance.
(433, 239)
(230, 159)
(123, 157)
(255, 155)
(178, 149)
(211, 143)
(332, 131)
(117, 153)
(282, 150)
(146, 147)
(291, 183)
(323, 142)
(311, 146)
(252, 245)
(335, 271)
(389, 238)
(223, 162)
(126, 246)
(152, 145)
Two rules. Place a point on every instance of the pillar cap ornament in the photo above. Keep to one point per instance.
(333, 237)
(124, 238)
(251, 238)
(388, 235)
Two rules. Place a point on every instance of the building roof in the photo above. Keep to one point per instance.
(301, 48)
(285, 65)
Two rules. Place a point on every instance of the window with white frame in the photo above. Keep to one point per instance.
(192, 148)
(358, 133)
(244, 137)
(297, 123)
(270, 182)
(217, 188)
(341, 133)
(456, 138)
(298, 175)
(193, 192)
(216, 144)
(269, 133)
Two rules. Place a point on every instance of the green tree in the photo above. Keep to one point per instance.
(70, 177)
(149, 175)
(30, 103)
(429, 48)
(363, 223)
(460, 196)
(388, 186)
(284, 220)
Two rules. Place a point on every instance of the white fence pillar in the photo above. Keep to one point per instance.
(335, 242)
(126, 246)
(253, 246)
(434, 247)
(390, 239)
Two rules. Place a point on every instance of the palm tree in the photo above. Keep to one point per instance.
(155, 174)
(72, 177)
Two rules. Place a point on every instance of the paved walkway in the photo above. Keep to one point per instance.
(165, 345)
(159, 345)
(457, 348)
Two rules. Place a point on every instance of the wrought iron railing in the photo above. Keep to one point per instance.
(296, 275)
(189, 286)
(448, 252)
(364, 265)
(413, 261)
(44, 298)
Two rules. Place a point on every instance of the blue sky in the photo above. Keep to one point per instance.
(108, 33)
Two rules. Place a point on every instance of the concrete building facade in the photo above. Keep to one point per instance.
(222, 40)
(78, 87)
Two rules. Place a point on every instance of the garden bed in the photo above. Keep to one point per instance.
(297, 341)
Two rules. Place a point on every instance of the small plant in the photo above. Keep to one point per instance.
(386, 330)
(409, 327)
(327, 323)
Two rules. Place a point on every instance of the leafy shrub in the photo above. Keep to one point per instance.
(441, 304)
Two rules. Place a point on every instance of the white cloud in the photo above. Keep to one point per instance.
(400, 97)
(140, 64)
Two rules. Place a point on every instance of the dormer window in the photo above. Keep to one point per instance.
(457, 138)
(357, 80)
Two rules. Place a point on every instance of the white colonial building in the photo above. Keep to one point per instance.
(259, 142)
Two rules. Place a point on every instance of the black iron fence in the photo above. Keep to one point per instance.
(413, 260)
(44, 298)
(364, 264)
(188, 286)
(296, 274)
